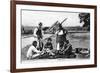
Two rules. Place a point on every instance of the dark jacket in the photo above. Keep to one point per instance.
(48, 45)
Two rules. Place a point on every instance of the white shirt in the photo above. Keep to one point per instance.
(35, 30)
(59, 32)
(31, 50)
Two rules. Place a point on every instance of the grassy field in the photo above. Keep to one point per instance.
(78, 40)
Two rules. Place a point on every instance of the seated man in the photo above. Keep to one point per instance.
(67, 50)
(32, 51)
(48, 47)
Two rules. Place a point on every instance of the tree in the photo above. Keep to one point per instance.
(85, 17)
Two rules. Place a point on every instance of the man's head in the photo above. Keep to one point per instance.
(40, 24)
(34, 43)
(59, 26)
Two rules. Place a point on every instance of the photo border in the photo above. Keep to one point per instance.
(13, 35)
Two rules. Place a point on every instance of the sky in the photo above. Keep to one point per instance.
(48, 18)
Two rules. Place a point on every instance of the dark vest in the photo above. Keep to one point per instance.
(49, 45)
(39, 33)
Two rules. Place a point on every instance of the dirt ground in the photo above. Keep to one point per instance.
(77, 40)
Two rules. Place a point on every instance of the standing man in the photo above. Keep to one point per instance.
(39, 35)
(60, 37)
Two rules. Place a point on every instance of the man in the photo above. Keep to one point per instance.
(47, 51)
(49, 47)
(66, 51)
(60, 36)
(32, 51)
(39, 34)
(67, 48)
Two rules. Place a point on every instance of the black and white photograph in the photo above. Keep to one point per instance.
(54, 35)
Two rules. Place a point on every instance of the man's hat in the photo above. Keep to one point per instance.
(40, 24)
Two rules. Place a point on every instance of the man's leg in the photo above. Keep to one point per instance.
(29, 57)
(58, 46)
(49, 51)
(36, 55)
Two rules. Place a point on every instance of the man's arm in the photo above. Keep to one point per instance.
(35, 30)
(35, 50)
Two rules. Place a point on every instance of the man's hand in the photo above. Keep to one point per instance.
(42, 52)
